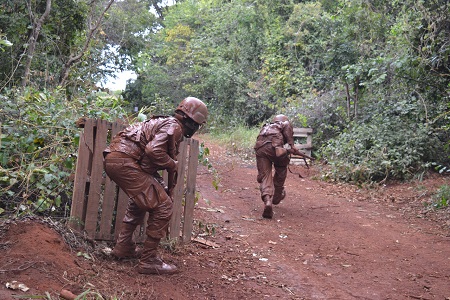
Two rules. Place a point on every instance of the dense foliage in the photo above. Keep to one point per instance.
(39, 147)
(353, 70)
(370, 76)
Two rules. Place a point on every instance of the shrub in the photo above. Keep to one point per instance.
(385, 148)
(441, 198)
(39, 144)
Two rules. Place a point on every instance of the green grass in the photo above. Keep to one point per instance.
(239, 140)
(441, 199)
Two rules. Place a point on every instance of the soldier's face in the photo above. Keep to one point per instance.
(189, 127)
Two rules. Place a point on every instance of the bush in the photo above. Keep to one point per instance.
(39, 145)
(442, 197)
(386, 148)
(238, 140)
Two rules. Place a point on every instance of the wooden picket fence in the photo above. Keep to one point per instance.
(98, 204)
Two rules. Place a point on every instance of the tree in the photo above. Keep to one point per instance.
(46, 39)
(36, 30)
(212, 57)
(95, 20)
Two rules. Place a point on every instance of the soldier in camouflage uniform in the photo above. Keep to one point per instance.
(270, 151)
(132, 161)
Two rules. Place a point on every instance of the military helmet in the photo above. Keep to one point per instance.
(280, 118)
(195, 109)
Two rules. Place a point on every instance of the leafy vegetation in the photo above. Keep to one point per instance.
(239, 140)
(356, 71)
(441, 199)
(39, 144)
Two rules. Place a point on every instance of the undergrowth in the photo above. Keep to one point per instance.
(39, 147)
(238, 140)
(441, 199)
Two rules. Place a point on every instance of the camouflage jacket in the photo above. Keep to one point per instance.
(278, 133)
(154, 143)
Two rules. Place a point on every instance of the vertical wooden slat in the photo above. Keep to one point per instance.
(309, 143)
(190, 190)
(85, 150)
(140, 235)
(95, 188)
(122, 202)
(178, 193)
(109, 198)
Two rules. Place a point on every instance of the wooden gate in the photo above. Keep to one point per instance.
(98, 204)
(303, 142)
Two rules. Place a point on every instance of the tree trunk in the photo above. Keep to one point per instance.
(75, 58)
(348, 99)
(37, 26)
(355, 104)
(158, 9)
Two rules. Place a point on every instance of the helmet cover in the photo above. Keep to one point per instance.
(195, 109)
(280, 118)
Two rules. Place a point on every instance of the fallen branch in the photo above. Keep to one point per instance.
(325, 206)
(205, 242)
(21, 267)
(66, 294)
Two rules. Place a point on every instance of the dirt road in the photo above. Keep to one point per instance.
(325, 241)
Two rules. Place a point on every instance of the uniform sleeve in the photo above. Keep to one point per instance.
(288, 133)
(160, 148)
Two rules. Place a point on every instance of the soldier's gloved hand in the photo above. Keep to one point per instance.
(176, 166)
(295, 151)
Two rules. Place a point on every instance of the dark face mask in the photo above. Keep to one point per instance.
(190, 127)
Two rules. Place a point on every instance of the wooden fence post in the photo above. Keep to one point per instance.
(81, 183)
(190, 190)
(96, 179)
(178, 193)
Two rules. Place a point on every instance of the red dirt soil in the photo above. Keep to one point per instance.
(326, 241)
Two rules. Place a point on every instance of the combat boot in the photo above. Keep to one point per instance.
(279, 195)
(150, 263)
(268, 212)
(125, 247)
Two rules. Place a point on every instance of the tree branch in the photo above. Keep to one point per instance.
(74, 58)
(37, 26)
